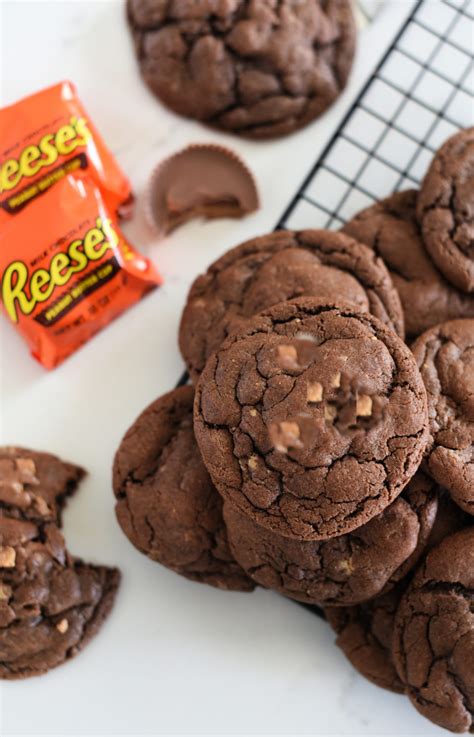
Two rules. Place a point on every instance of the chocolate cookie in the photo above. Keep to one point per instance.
(433, 645)
(258, 69)
(390, 227)
(422, 494)
(364, 634)
(449, 519)
(365, 631)
(445, 356)
(446, 209)
(51, 604)
(277, 267)
(166, 503)
(312, 420)
(36, 484)
(343, 570)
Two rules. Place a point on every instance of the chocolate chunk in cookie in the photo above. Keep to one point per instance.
(278, 267)
(446, 209)
(343, 570)
(390, 227)
(312, 420)
(258, 69)
(445, 356)
(364, 634)
(433, 645)
(166, 503)
(50, 603)
(36, 484)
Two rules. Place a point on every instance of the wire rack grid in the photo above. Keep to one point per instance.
(421, 92)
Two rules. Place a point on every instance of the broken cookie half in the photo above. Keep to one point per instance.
(51, 603)
(200, 181)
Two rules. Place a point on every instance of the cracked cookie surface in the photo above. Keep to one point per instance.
(391, 228)
(36, 484)
(423, 495)
(51, 603)
(343, 570)
(275, 268)
(446, 209)
(258, 68)
(445, 356)
(312, 420)
(365, 633)
(450, 518)
(166, 503)
(433, 645)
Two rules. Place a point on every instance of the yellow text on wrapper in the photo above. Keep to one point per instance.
(23, 289)
(63, 142)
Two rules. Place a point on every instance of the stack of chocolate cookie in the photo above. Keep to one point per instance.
(320, 456)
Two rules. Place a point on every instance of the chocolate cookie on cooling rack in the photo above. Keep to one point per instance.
(446, 209)
(390, 227)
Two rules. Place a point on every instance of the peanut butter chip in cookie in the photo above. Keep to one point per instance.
(7, 556)
(285, 435)
(315, 392)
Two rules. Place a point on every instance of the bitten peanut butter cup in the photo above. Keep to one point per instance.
(200, 181)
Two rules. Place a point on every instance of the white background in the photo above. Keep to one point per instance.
(174, 657)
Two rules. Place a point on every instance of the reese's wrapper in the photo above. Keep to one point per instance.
(66, 269)
(47, 136)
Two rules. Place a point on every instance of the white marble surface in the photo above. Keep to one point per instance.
(175, 657)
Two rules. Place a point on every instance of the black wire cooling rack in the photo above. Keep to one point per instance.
(421, 92)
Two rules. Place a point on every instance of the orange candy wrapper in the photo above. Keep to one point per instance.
(66, 269)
